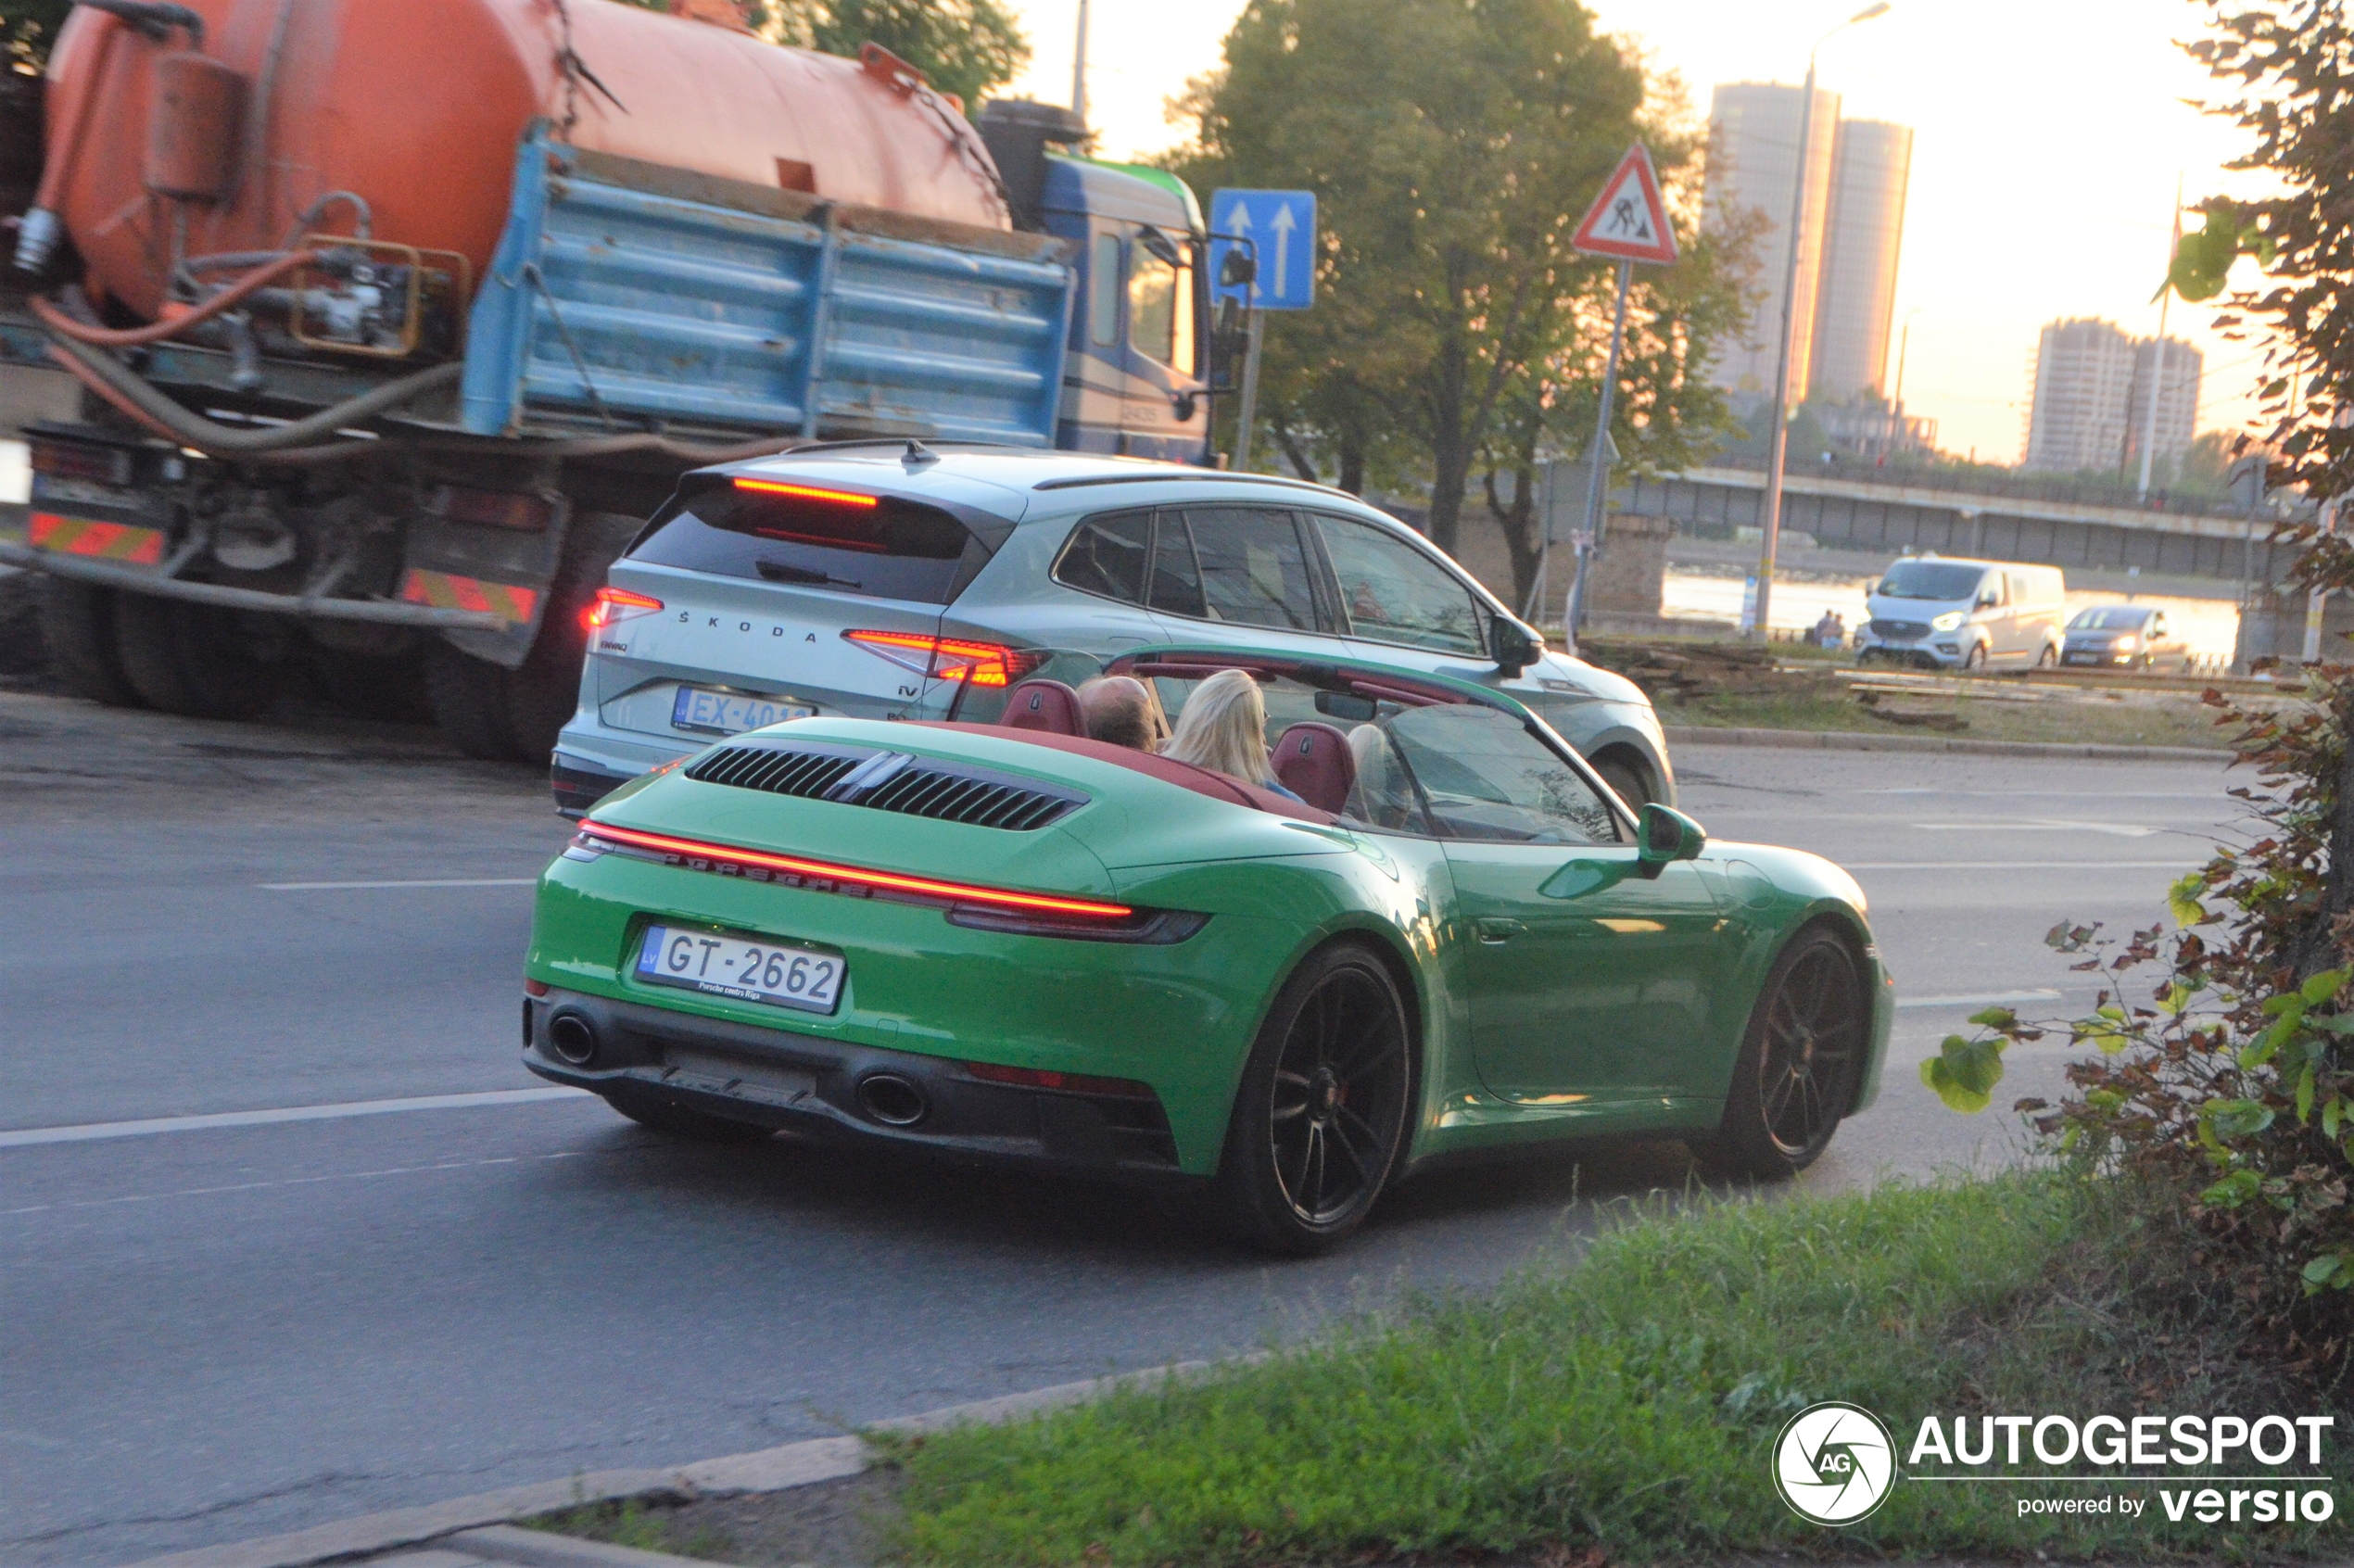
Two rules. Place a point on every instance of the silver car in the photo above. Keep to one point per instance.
(874, 579)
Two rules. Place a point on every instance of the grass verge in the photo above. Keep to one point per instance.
(2147, 722)
(1629, 1405)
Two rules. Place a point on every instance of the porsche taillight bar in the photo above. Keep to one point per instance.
(797, 865)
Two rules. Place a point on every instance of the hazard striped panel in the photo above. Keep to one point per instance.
(100, 541)
(447, 590)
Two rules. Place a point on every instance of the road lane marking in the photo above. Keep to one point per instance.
(288, 1181)
(2017, 865)
(1988, 999)
(433, 882)
(2038, 825)
(98, 1131)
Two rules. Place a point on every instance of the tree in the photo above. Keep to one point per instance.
(962, 46)
(1668, 414)
(30, 27)
(1452, 145)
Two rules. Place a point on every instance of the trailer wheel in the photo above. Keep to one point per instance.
(190, 659)
(76, 627)
(544, 693)
(468, 697)
(373, 686)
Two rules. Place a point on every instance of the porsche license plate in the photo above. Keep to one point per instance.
(705, 711)
(749, 969)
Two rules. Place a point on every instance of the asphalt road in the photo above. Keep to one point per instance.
(237, 1326)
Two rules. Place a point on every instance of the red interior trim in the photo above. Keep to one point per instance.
(1185, 776)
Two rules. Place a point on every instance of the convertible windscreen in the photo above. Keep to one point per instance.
(1456, 770)
(876, 547)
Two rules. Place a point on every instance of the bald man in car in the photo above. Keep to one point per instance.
(1120, 710)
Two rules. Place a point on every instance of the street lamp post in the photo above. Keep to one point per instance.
(1778, 445)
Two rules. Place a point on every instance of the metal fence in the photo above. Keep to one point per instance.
(2009, 486)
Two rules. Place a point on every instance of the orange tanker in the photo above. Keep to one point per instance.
(271, 108)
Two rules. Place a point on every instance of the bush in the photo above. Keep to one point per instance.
(2231, 1086)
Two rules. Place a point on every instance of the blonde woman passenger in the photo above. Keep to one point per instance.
(1223, 727)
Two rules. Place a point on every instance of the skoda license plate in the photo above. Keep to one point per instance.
(749, 969)
(730, 713)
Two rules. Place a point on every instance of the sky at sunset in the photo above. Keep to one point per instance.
(2048, 140)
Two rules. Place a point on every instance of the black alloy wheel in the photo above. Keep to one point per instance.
(1800, 1056)
(1977, 660)
(1321, 1114)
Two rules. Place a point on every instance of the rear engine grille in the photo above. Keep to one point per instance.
(885, 781)
(1899, 628)
(780, 772)
(922, 791)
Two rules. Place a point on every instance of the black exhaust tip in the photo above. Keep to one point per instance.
(892, 1100)
(573, 1039)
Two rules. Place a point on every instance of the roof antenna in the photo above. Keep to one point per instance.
(917, 455)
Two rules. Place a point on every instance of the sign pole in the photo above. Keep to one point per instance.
(1247, 417)
(1534, 605)
(1628, 223)
(1598, 464)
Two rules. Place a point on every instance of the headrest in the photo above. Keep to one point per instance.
(1043, 705)
(1314, 762)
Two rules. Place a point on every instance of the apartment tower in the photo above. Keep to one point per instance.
(2092, 398)
(1857, 176)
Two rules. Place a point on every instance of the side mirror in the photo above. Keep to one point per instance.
(1515, 646)
(1665, 835)
(1238, 270)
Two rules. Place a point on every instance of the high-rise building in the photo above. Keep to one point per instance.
(2177, 403)
(1871, 166)
(1753, 169)
(1853, 227)
(2092, 399)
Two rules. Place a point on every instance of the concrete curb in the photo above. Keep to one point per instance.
(764, 1469)
(1849, 740)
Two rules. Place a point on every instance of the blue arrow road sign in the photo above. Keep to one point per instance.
(1281, 226)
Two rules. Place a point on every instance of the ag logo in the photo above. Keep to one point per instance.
(1834, 1463)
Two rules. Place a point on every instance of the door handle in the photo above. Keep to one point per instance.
(1494, 929)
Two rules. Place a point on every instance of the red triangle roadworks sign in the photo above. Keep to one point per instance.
(1629, 220)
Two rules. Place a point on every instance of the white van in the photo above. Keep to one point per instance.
(1949, 613)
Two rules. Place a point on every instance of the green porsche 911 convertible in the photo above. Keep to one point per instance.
(996, 937)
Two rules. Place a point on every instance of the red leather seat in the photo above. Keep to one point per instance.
(1314, 762)
(1043, 705)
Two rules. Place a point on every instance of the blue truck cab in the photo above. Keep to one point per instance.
(1133, 379)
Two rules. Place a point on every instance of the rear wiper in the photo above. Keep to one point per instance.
(785, 572)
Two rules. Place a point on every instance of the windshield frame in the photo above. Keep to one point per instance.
(1978, 577)
(2142, 616)
(1358, 677)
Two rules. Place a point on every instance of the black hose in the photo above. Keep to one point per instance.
(287, 443)
(152, 18)
(211, 436)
